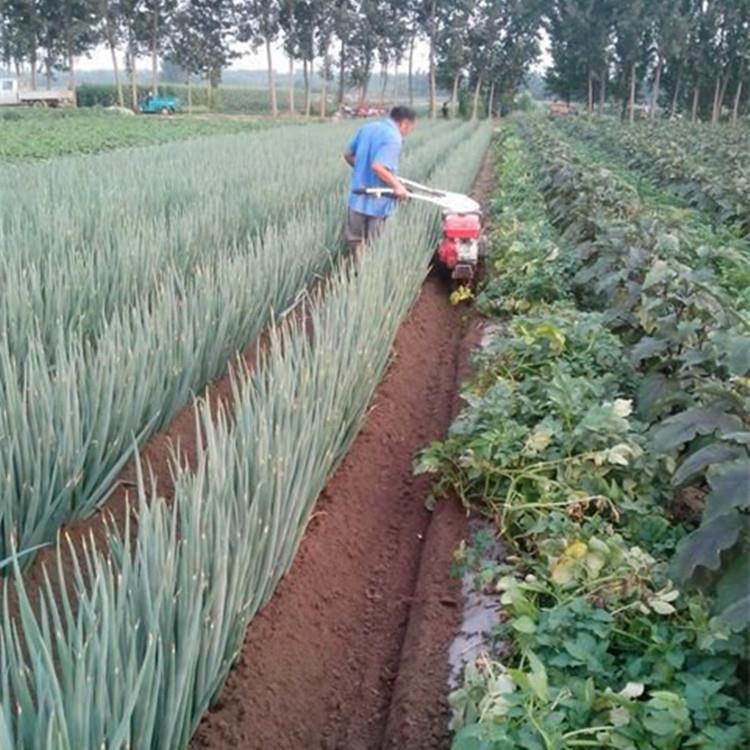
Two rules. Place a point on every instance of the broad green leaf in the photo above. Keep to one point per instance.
(730, 487)
(704, 546)
(673, 432)
(697, 461)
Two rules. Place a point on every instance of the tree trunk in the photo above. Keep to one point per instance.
(133, 84)
(714, 115)
(291, 85)
(32, 60)
(475, 104)
(323, 93)
(738, 94)
(696, 96)
(155, 52)
(454, 94)
(306, 72)
(271, 79)
(395, 82)
(722, 96)
(433, 83)
(491, 101)
(411, 71)
(48, 73)
(71, 70)
(676, 95)
(115, 66)
(342, 75)
(190, 94)
(631, 98)
(590, 100)
(363, 90)
(384, 83)
(655, 90)
(602, 91)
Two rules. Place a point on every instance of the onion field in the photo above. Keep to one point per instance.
(129, 281)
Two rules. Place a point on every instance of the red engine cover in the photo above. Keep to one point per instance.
(448, 254)
(459, 226)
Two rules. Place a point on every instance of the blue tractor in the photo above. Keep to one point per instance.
(154, 104)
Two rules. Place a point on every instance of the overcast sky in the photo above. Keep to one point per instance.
(102, 60)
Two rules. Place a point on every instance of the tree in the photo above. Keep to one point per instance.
(259, 24)
(452, 53)
(632, 24)
(201, 42)
(112, 30)
(154, 30)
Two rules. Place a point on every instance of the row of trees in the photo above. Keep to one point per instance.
(479, 47)
(693, 56)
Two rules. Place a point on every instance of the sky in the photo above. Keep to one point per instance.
(101, 59)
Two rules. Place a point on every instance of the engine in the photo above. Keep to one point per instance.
(459, 250)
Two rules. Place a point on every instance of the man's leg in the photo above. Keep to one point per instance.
(355, 230)
(374, 227)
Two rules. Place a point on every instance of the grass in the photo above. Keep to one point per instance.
(28, 135)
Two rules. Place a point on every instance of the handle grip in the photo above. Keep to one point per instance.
(375, 192)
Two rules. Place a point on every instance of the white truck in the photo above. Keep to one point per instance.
(12, 95)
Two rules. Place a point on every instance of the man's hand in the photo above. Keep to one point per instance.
(384, 174)
(399, 191)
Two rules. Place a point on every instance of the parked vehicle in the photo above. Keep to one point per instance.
(154, 104)
(12, 95)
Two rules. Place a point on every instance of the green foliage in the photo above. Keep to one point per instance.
(596, 647)
(47, 135)
(707, 168)
(236, 100)
(689, 341)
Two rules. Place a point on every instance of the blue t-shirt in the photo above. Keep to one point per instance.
(375, 142)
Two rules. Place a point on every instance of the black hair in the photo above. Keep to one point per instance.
(400, 113)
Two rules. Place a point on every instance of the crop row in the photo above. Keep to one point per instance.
(123, 297)
(561, 447)
(48, 135)
(133, 657)
(689, 341)
(719, 186)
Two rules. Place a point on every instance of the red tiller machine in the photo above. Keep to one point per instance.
(459, 248)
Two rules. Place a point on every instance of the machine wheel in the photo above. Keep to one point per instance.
(165, 111)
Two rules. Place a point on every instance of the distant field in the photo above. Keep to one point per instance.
(227, 99)
(43, 134)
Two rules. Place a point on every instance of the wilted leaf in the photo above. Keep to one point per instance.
(632, 690)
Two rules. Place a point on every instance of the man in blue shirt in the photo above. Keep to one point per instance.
(373, 154)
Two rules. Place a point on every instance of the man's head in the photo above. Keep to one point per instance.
(405, 119)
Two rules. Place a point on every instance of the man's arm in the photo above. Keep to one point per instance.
(383, 173)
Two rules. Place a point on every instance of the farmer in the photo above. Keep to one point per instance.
(373, 154)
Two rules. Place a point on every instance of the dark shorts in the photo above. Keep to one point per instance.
(359, 228)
